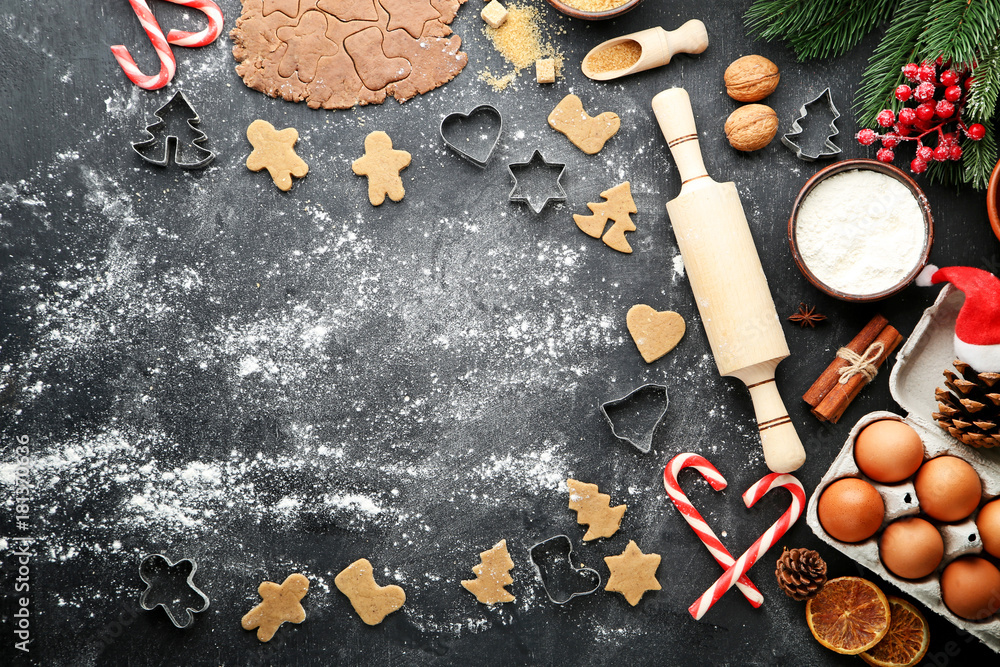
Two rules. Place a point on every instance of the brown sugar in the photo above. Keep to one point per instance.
(595, 5)
(616, 57)
(520, 41)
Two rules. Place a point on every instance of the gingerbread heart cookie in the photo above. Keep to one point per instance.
(655, 333)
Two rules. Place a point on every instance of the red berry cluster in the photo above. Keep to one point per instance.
(939, 94)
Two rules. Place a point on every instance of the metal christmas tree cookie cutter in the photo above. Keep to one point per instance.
(828, 149)
(560, 544)
(468, 152)
(171, 142)
(147, 569)
(645, 441)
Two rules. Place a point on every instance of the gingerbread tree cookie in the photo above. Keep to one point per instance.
(593, 508)
(492, 575)
(280, 604)
(381, 164)
(274, 150)
(371, 601)
(618, 206)
(633, 573)
(588, 133)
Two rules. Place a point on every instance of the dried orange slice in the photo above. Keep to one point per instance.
(849, 615)
(906, 642)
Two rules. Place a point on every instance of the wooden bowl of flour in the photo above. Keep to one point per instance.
(993, 200)
(860, 230)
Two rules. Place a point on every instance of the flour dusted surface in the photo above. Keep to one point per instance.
(860, 232)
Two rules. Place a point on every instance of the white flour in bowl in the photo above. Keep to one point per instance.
(860, 232)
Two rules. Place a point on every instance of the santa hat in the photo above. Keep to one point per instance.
(977, 329)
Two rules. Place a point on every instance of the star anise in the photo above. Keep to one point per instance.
(807, 316)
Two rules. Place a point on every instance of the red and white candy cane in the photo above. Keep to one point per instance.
(763, 543)
(202, 37)
(697, 522)
(167, 63)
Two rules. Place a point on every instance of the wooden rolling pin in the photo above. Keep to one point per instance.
(728, 281)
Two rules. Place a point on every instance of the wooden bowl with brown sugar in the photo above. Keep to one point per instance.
(594, 10)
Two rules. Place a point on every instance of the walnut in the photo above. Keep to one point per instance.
(751, 78)
(751, 127)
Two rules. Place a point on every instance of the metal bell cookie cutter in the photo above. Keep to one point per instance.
(829, 149)
(172, 143)
(560, 543)
(147, 568)
(536, 162)
(457, 117)
(645, 442)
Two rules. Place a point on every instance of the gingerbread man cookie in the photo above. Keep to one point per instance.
(280, 604)
(372, 602)
(381, 164)
(274, 150)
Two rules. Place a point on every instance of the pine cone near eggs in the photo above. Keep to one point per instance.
(801, 573)
(970, 412)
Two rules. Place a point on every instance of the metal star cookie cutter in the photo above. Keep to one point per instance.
(147, 569)
(171, 142)
(556, 194)
(457, 117)
(829, 149)
(550, 544)
(645, 442)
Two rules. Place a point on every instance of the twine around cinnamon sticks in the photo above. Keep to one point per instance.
(855, 366)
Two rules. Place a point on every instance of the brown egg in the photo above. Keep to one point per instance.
(970, 587)
(911, 548)
(948, 488)
(851, 510)
(988, 523)
(888, 451)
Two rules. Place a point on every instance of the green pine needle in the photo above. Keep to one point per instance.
(884, 71)
(817, 28)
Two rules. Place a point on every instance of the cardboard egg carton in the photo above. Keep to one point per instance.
(919, 369)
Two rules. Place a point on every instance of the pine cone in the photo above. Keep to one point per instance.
(970, 412)
(801, 573)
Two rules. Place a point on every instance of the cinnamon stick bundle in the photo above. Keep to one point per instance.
(858, 362)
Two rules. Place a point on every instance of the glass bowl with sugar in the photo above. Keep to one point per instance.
(860, 230)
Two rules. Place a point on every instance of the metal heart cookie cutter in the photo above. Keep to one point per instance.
(644, 440)
(155, 570)
(561, 545)
(468, 152)
(828, 149)
(172, 143)
(538, 198)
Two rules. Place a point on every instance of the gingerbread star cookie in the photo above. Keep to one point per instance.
(280, 604)
(492, 575)
(274, 150)
(588, 133)
(371, 601)
(593, 508)
(633, 573)
(381, 164)
(655, 333)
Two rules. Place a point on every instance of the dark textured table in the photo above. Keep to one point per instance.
(270, 382)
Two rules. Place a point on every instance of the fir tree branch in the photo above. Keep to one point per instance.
(986, 85)
(817, 28)
(955, 30)
(978, 160)
(884, 70)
